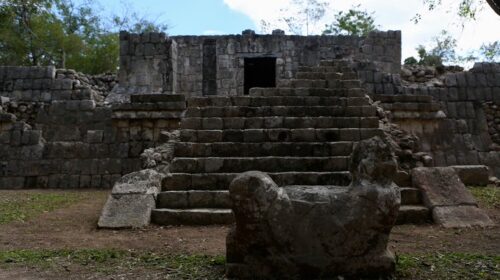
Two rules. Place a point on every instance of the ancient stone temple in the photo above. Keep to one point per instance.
(188, 114)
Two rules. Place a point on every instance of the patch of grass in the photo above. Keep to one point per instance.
(487, 196)
(448, 266)
(24, 205)
(109, 261)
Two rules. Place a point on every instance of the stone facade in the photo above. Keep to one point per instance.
(455, 120)
(59, 128)
(55, 131)
(181, 64)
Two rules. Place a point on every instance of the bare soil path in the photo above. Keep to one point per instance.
(74, 228)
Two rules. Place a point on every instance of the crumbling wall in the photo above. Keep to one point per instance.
(458, 127)
(56, 131)
(152, 62)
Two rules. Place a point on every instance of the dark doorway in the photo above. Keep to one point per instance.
(209, 67)
(260, 72)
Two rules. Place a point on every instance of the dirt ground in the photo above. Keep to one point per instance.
(75, 228)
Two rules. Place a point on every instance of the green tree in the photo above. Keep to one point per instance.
(304, 14)
(353, 22)
(490, 51)
(24, 29)
(61, 33)
(464, 9)
(441, 51)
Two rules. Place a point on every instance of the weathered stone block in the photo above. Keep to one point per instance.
(341, 234)
(461, 216)
(95, 136)
(473, 175)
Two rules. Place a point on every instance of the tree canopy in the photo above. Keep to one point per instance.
(61, 33)
(353, 22)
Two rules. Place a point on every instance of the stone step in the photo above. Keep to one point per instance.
(221, 199)
(302, 83)
(347, 110)
(322, 92)
(334, 62)
(153, 98)
(327, 69)
(420, 107)
(279, 135)
(186, 149)
(198, 216)
(385, 98)
(150, 106)
(351, 84)
(265, 164)
(332, 83)
(410, 196)
(329, 98)
(309, 75)
(193, 199)
(270, 122)
(221, 181)
(413, 214)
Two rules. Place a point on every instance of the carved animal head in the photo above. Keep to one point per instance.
(373, 160)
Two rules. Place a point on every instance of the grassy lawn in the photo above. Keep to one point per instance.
(488, 196)
(110, 262)
(120, 262)
(448, 266)
(24, 205)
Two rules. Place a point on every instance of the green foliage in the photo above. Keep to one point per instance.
(447, 266)
(61, 33)
(108, 261)
(442, 51)
(410, 61)
(488, 196)
(24, 206)
(303, 13)
(464, 9)
(354, 22)
(490, 51)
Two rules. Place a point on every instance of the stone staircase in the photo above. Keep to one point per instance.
(301, 133)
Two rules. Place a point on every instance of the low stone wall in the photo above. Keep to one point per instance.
(61, 135)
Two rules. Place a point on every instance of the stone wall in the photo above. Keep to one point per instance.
(176, 64)
(145, 63)
(492, 110)
(56, 132)
(459, 128)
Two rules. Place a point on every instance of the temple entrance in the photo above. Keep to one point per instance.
(260, 72)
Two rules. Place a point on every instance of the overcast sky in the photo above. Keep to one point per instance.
(197, 17)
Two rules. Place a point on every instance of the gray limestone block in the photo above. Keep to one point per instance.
(149, 49)
(450, 80)
(86, 105)
(146, 181)
(441, 186)
(127, 211)
(473, 175)
(461, 216)
(481, 80)
(95, 136)
(12, 182)
(461, 80)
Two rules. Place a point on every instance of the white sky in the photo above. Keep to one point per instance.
(395, 15)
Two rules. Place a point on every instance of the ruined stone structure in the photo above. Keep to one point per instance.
(313, 232)
(292, 106)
